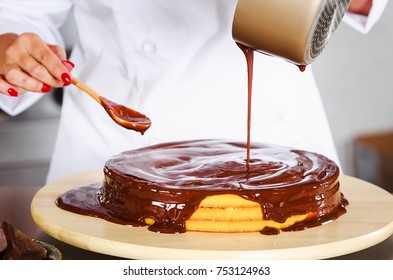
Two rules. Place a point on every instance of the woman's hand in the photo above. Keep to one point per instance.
(361, 7)
(27, 63)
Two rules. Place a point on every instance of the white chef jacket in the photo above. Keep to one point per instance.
(176, 62)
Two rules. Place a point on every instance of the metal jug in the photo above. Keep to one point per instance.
(296, 30)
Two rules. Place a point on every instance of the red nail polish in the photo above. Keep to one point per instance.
(12, 92)
(66, 78)
(45, 88)
(69, 63)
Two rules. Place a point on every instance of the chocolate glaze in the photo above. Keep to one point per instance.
(168, 181)
(126, 117)
(270, 231)
(302, 68)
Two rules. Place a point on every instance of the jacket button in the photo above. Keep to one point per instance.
(149, 48)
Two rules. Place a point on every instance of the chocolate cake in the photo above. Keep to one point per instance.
(209, 185)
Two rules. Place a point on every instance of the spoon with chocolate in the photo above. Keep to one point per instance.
(123, 116)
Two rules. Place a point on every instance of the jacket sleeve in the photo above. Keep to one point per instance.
(364, 24)
(42, 17)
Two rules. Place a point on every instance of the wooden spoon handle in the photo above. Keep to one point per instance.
(86, 89)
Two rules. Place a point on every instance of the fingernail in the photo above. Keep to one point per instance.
(69, 63)
(45, 88)
(12, 92)
(66, 78)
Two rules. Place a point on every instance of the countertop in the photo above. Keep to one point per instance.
(15, 207)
